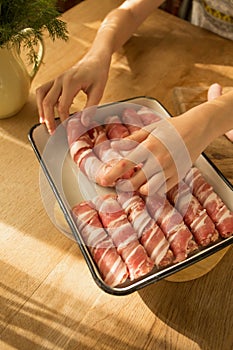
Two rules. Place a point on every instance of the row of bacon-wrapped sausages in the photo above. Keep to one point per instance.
(129, 235)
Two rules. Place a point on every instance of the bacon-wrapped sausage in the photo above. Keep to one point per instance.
(195, 216)
(217, 210)
(132, 120)
(149, 233)
(110, 263)
(109, 156)
(123, 235)
(91, 150)
(79, 141)
(171, 222)
(148, 116)
(114, 128)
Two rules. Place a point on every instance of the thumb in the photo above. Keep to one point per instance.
(215, 90)
(93, 99)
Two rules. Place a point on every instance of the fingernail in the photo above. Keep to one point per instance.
(144, 190)
(103, 182)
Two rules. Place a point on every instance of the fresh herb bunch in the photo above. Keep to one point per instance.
(39, 15)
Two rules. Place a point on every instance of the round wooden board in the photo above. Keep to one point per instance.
(199, 269)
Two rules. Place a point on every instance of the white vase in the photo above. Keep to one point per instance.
(15, 79)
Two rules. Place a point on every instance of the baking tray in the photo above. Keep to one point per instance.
(63, 184)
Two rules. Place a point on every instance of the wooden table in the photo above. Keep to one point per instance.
(48, 297)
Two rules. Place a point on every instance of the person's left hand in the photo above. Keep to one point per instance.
(88, 75)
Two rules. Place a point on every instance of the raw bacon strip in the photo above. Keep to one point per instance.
(93, 168)
(86, 218)
(114, 128)
(171, 222)
(74, 128)
(102, 146)
(148, 116)
(195, 216)
(109, 262)
(82, 141)
(79, 141)
(123, 235)
(115, 220)
(149, 233)
(217, 210)
(132, 120)
(104, 151)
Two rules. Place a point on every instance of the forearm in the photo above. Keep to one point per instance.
(215, 117)
(119, 25)
(222, 114)
(201, 125)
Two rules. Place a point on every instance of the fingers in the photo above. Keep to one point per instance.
(229, 135)
(136, 182)
(41, 92)
(87, 115)
(128, 143)
(155, 184)
(163, 156)
(88, 75)
(137, 156)
(150, 179)
(160, 183)
(147, 164)
(68, 91)
(94, 94)
(123, 146)
(122, 167)
(215, 90)
(49, 96)
(138, 136)
(93, 97)
(133, 183)
(57, 94)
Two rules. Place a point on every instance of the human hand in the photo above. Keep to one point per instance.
(166, 156)
(88, 75)
(215, 91)
(161, 155)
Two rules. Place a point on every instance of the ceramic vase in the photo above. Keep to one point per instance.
(15, 79)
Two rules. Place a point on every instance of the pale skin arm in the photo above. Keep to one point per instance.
(90, 74)
(198, 127)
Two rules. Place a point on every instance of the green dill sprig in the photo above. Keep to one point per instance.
(38, 15)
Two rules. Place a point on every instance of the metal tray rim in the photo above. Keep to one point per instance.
(151, 278)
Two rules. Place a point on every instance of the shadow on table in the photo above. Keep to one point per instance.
(197, 309)
(28, 322)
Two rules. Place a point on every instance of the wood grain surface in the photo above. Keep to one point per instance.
(48, 299)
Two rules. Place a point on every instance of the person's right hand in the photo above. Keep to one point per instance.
(88, 75)
(166, 150)
(215, 91)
